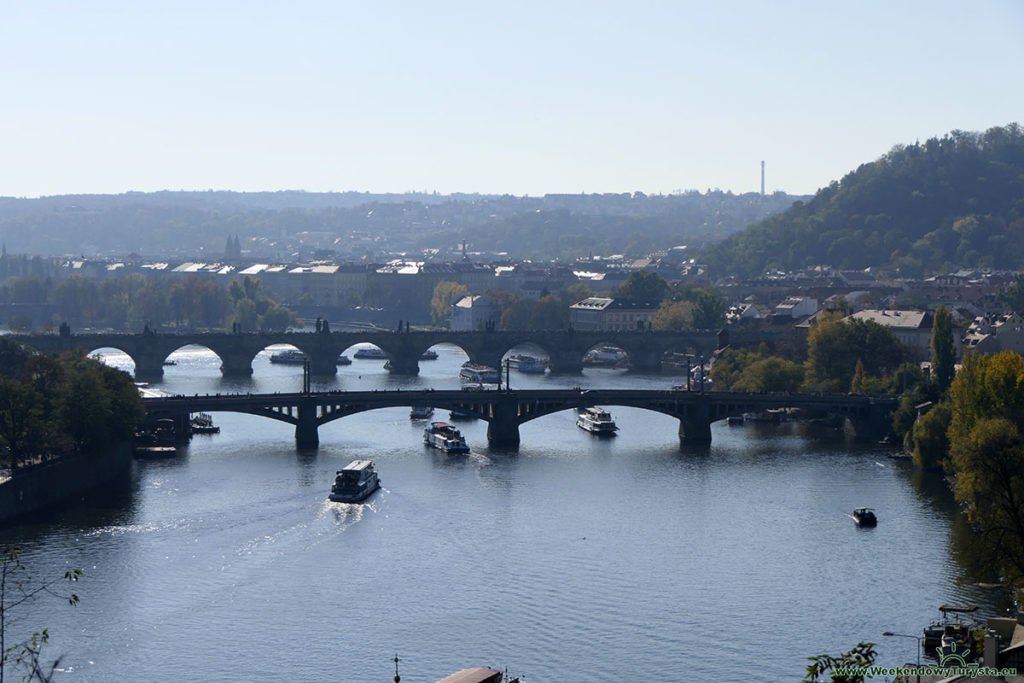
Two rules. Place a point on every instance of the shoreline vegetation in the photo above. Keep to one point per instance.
(66, 425)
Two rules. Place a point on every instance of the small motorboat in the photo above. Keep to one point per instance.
(864, 517)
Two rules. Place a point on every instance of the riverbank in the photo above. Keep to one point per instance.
(60, 480)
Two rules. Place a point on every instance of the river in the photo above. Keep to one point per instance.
(572, 559)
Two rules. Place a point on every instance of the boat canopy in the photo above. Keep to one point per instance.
(958, 608)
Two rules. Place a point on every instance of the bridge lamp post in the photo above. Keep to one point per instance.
(918, 639)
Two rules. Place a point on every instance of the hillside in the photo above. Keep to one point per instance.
(354, 225)
(954, 202)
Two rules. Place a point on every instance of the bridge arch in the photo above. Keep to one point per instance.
(115, 358)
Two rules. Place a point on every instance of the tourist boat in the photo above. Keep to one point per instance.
(370, 353)
(203, 424)
(606, 356)
(472, 373)
(864, 517)
(959, 628)
(528, 365)
(597, 421)
(288, 357)
(354, 483)
(429, 354)
(170, 362)
(342, 359)
(460, 415)
(445, 437)
(420, 412)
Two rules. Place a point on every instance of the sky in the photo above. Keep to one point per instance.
(522, 98)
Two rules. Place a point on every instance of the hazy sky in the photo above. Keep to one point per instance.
(517, 97)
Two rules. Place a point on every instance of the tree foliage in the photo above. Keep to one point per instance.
(948, 202)
(51, 406)
(445, 294)
(862, 656)
(835, 346)
(642, 284)
(943, 349)
(987, 455)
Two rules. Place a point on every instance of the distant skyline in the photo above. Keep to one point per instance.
(517, 98)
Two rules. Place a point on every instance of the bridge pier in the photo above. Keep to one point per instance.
(236, 365)
(323, 364)
(695, 425)
(306, 433)
(503, 427)
(402, 364)
(565, 363)
(148, 366)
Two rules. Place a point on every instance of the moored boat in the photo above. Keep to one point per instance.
(372, 353)
(355, 482)
(473, 373)
(429, 354)
(288, 357)
(342, 359)
(959, 628)
(445, 437)
(597, 421)
(528, 365)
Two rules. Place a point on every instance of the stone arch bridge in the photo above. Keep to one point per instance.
(505, 411)
(565, 349)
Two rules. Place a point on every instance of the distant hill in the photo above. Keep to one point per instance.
(294, 224)
(948, 203)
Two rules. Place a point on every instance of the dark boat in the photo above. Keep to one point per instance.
(342, 359)
(354, 483)
(864, 517)
(203, 424)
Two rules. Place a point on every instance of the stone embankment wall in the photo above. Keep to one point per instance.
(64, 479)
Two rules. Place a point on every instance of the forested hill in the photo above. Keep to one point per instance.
(924, 208)
(354, 225)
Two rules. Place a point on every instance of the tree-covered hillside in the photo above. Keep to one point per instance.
(944, 204)
(353, 225)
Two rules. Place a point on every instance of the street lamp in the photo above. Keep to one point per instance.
(918, 639)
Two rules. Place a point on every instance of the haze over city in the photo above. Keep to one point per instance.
(528, 98)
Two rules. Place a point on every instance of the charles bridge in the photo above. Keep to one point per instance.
(506, 410)
(564, 348)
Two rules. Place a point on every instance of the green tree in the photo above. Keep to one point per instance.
(931, 442)
(19, 589)
(709, 311)
(835, 345)
(943, 350)
(674, 316)
(445, 295)
(987, 456)
(642, 284)
(770, 374)
(862, 656)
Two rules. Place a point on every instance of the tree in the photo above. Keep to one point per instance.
(445, 294)
(861, 657)
(835, 345)
(943, 350)
(770, 374)
(642, 284)
(931, 443)
(987, 456)
(709, 311)
(674, 316)
(18, 588)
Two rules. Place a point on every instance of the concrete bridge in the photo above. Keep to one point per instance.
(505, 411)
(565, 349)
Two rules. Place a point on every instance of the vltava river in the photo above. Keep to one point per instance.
(573, 559)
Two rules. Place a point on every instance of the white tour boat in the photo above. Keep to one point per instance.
(596, 421)
(445, 437)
